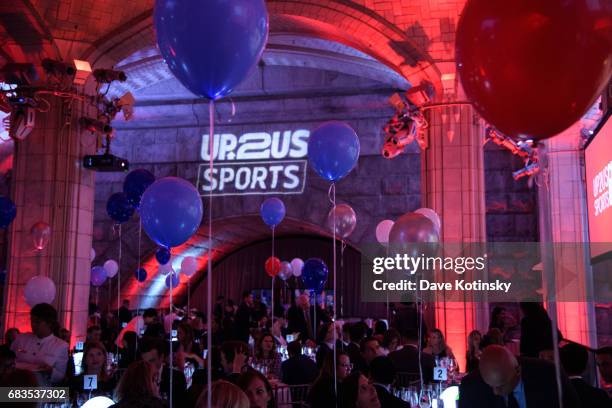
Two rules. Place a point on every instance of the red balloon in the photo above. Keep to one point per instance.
(273, 266)
(532, 68)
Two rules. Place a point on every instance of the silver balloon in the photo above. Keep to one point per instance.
(346, 220)
(286, 271)
(414, 234)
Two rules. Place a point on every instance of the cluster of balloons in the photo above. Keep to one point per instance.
(272, 211)
(211, 69)
(39, 289)
(423, 225)
(120, 206)
(346, 220)
(333, 150)
(8, 211)
(189, 266)
(283, 270)
(533, 68)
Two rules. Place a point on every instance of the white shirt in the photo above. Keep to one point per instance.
(31, 352)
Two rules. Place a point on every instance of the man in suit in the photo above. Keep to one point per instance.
(244, 318)
(298, 369)
(301, 318)
(502, 381)
(382, 374)
(574, 358)
(406, 360)
(155, 351)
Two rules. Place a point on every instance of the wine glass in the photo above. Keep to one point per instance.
(425, 398)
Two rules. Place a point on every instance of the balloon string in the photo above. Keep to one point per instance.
(171, 275)
(332, 191)
(273, 265)
(138, 279)
(211, 120)
(555, 337)
(119, 282)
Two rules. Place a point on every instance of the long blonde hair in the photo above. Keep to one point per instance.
(224, 395)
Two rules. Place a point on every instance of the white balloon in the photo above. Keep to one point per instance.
(189, 266)
(111, 267)
(165, 268)
(382, 231)
(39, 289)
(296, 266)
(98, 402)
(92, 254)
(432, 215)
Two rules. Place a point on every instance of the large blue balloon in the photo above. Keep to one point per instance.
(210, 46)
(7, 211)
(314, 274)
(272, 211)
(171, 211)
(135, 184)
(98, 276)
(119, 208)
(333, 150)
(141, 275)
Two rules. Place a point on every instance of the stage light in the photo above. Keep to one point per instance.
(83, 71)
(19, 73)
(95, 126)
(58, 68)
(107, 76)
(22, 122)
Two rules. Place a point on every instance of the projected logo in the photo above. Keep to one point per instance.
(602, 190)
(254, 163)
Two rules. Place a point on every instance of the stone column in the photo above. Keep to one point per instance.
(50, 185)
(453, 186)
(563, 231)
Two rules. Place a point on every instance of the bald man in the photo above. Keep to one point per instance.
(503, 381)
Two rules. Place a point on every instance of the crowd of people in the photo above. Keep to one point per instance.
(144, 360)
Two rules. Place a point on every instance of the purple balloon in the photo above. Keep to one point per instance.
(98, 276)
(272, 211)
(175, 280)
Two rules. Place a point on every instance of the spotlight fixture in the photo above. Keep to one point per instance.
(522, 149)
(107, 76)
(408, 124)
(58, 68)
(96, 126)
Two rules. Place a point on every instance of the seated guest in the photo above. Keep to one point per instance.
(322, 393)
(224, 395)
(370, 349)
(300, 319)
(357, 392)
(380, 328)
(406, 360)
(391, 341)
(267, 356)
(472, 355)
(436, 345)
(503, 381)
(574, 359)
(186, 349)
(298, 369)
(138, 387)
(257, 388)
(10, 336)
(94, 363)
(382, 374)
(325, 340)
(603, 356)
(40, 351)
(233, 359)
(94, 334)
(128, 352)
(153, 328)
(155, 351)
(277, 331)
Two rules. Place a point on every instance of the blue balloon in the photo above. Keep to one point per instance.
(333, 150)
(211, 46)
(171, 211)
(8, 211)
(98, 276)
(272, 211)
(314, 274)
(175, 280)
(162, 255)
(141, 275)
(119, 208)
(135, 184)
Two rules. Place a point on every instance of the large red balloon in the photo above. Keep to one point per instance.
(532, 68)
(273, 266)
